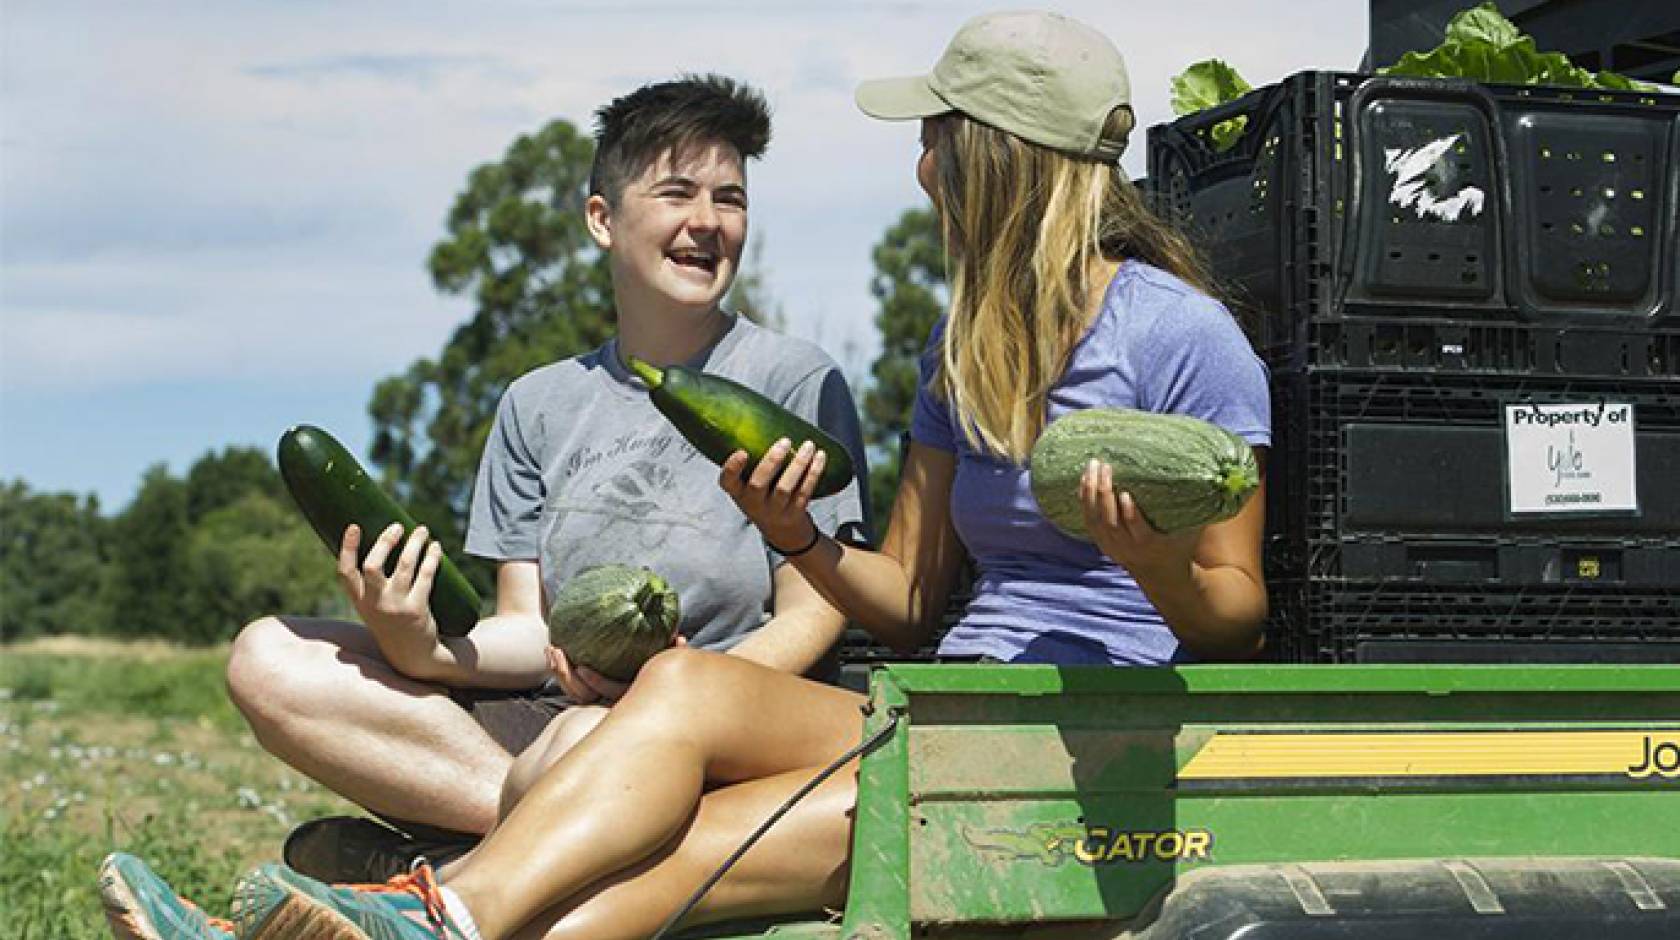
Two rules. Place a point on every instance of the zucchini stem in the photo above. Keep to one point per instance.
(654, 377)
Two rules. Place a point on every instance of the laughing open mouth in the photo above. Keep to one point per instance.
(695, 259)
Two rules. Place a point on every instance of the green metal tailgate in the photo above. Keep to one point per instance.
(1021, 794)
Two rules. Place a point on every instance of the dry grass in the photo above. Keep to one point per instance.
(99, 647)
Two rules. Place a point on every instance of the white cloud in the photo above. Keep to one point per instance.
(116, 324)
(192, 190)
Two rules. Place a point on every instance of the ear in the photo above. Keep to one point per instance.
(597, 215)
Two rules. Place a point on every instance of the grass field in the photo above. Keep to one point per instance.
(131, 747)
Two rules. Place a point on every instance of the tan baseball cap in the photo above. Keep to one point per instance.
(1040, 76)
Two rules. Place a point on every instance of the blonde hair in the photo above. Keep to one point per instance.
(1023, 227)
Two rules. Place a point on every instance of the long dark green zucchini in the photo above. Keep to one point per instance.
(719, 417)
(333, 491)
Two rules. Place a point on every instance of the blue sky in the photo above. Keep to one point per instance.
(214, 217)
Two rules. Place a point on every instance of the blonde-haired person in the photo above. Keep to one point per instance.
(1066, 294)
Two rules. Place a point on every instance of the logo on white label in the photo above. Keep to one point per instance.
(1416, 179)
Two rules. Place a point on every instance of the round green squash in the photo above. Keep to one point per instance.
(614, 618)
(1182, 471)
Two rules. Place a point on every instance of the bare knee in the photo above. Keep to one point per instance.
(254, 668)
(274, 670)
(677, 677)
(561, 735)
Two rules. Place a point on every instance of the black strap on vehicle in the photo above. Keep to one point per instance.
(894, 716)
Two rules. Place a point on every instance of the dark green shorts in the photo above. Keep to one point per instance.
(513, 718)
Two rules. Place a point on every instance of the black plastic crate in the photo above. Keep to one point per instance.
(1376, 622)
(1351, 196)
(1401, 477)
(1471, 347)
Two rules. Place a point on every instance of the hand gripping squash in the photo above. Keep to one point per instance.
(1182, 471)
(614, 618)
(332, 490)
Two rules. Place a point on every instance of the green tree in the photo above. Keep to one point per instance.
(251, 557)
(216, 480)
(247, 551)
(148, 593)
(192, 558)
(52, 564)
(518, 246)
(909, 283)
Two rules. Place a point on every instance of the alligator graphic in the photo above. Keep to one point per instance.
(1047, 843)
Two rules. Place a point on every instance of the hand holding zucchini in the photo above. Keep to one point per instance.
(1182, 471)
(720, 417)
(333, 491)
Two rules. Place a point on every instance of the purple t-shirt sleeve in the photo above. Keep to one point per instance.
(930, 417)
(1196, 361)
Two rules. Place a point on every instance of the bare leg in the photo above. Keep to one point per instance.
(799, 865)
(633, 784)
(319, 696)
(561, 735)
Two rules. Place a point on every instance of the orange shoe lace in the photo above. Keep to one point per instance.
(420, 882)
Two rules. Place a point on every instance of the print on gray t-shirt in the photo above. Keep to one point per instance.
(581, 470)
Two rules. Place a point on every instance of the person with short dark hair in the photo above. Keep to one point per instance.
(579, 470)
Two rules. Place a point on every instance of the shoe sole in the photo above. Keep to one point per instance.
(300, 917)
(123, 911)
(268, 906)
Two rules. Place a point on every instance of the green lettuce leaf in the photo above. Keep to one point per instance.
(1205, 85)
(1483, 24)
(1482, 45)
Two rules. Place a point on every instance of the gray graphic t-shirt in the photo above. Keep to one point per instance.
(581, 470)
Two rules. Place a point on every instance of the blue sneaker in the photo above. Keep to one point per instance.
(274, 903)
(139, 905)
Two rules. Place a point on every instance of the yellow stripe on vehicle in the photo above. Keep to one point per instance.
(1246, 756)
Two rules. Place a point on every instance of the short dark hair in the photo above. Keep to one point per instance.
(640, 127)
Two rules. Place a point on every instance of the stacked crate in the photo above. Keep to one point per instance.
(1414, 257)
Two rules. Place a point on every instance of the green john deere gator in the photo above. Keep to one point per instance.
(1307, 801)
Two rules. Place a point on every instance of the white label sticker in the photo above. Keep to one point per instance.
(1412, 170)
(1571, 458)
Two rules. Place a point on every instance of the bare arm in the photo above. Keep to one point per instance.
(800, 632)
(504, 650)
(1207, 584)
(899, 593)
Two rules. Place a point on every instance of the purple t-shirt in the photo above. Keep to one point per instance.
(1157, 345)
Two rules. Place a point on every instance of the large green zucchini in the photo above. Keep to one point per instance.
(333, 491)
(1182, 471)
(613, 619)
(719, 417)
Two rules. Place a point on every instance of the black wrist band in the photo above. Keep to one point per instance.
(816, 536)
